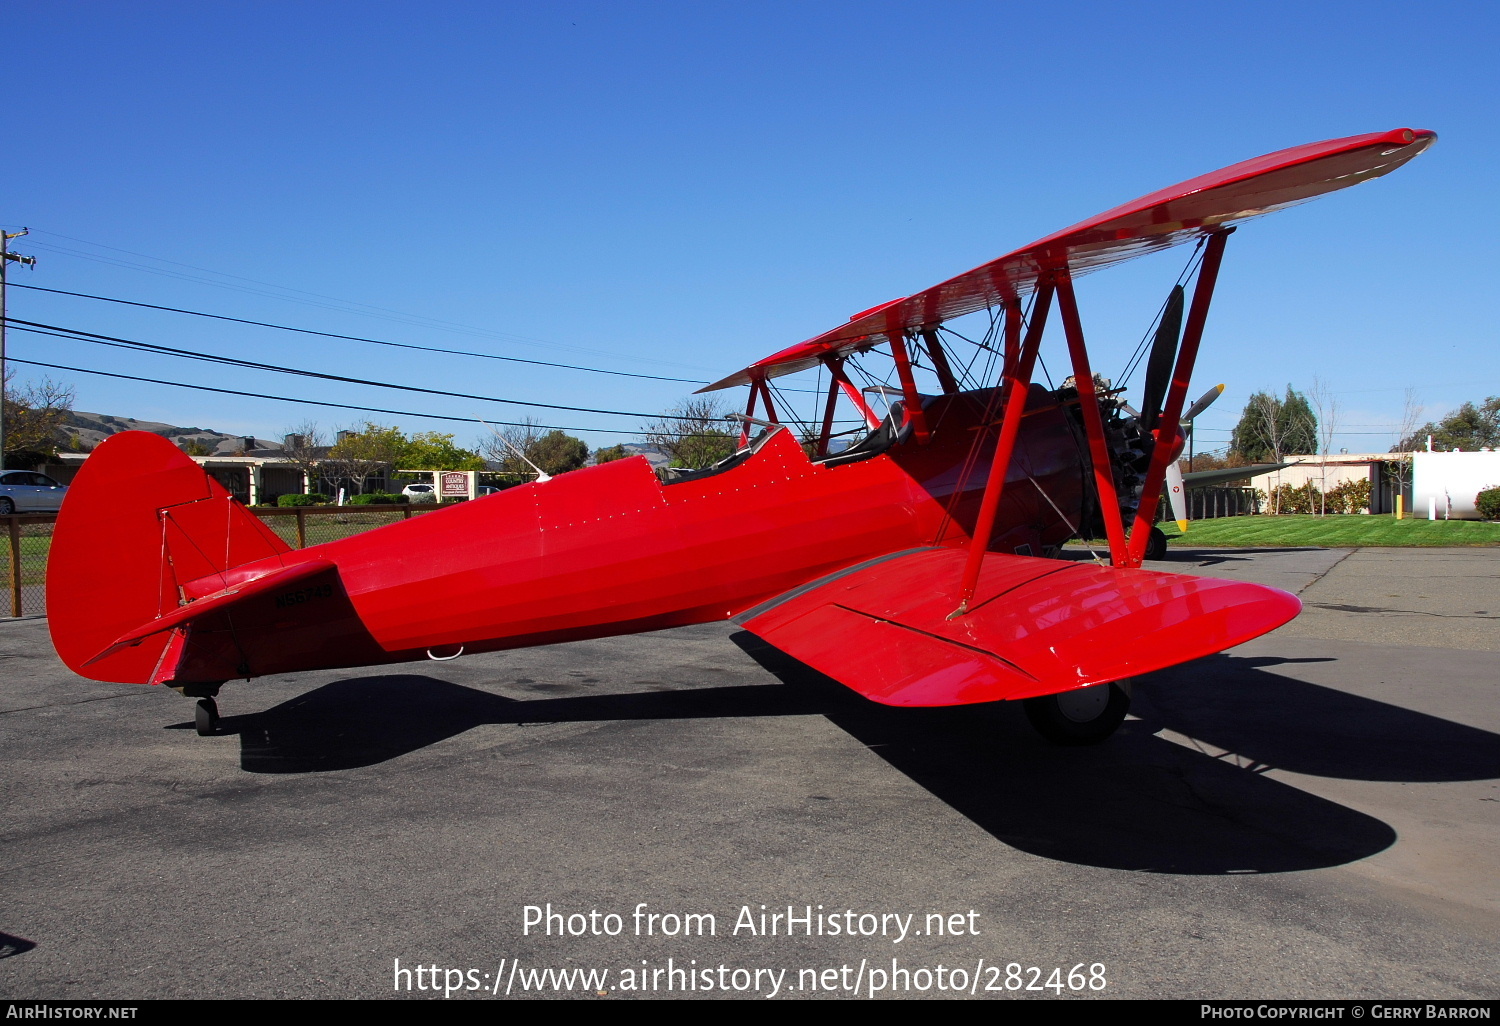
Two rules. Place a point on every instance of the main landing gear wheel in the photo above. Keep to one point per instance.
(1084, 716)
(206, 716)
(1156, 545)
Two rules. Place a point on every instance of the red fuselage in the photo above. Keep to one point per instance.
(612, 550)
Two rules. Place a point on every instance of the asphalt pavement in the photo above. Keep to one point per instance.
(1314, 814)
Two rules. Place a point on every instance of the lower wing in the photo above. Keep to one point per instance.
(1034, 626)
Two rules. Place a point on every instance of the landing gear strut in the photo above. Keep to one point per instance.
(1084, 716)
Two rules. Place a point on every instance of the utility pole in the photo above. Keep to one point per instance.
(6, 256)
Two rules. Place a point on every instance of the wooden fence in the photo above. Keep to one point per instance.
(1212, 503)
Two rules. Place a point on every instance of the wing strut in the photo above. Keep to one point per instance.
(914, 414)
(1093, 423)
(1167, 424)
(940, 361)
(826, 435)
(1012, 335)
(758, 387)
(836, 368)
(1017, 381)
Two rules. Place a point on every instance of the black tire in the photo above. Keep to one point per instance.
(1085, 716)
(7, 506)
(206, 716)
(1156, 545)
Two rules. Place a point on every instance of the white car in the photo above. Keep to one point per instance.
(25, 491)
(420, 493)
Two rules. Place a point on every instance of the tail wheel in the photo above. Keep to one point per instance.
(1084, 716)
(206, 716)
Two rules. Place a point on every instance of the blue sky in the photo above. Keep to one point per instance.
(680, 189)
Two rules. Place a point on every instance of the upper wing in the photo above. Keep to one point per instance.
(1035, 626)
(1171, 216)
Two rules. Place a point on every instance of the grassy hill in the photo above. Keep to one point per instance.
(92, 428)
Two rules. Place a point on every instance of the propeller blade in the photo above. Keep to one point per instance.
(1203, 403)
(1163, 355)
(1177, 496)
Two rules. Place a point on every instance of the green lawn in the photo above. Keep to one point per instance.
(1334, 532)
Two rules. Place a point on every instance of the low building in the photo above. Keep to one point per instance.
(1381, 469)
(254, 476)
(1440, 484)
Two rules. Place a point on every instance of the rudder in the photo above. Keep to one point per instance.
(143, 530)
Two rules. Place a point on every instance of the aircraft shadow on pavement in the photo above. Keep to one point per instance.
(366, 720)
(11, 945)
(1233, 704)
(1137, 802)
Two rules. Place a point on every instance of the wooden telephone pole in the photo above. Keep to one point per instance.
(6, 256)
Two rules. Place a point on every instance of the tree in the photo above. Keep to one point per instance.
(1270, 427)
(610, 453)
(1215, 461)
(194, 447)
(304, 447)
(33, 414)
(1328, 417)
(362, 454)
(557, 453)
(509, 449)
(1400, 469)
(433, 450)
(521, 450)
(1469, 428)
(692, 434)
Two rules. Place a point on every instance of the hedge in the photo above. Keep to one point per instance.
(1487, 503)
(313, 499)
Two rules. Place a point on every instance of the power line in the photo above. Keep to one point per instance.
(358, 338)
(55, 331)
(343, 306)
(378, 341)
(317, 402)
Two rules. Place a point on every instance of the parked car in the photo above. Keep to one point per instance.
(25, 491)
(420, 493)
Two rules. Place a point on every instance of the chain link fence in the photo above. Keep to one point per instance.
(28, 540)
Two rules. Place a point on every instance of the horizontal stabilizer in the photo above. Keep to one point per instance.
(1034, 626)
(284, 577)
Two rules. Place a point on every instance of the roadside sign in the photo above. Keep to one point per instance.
(456, 484)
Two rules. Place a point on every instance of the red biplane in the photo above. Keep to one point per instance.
(916, 565)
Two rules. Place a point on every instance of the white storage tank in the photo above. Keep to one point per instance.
(1444, 484)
